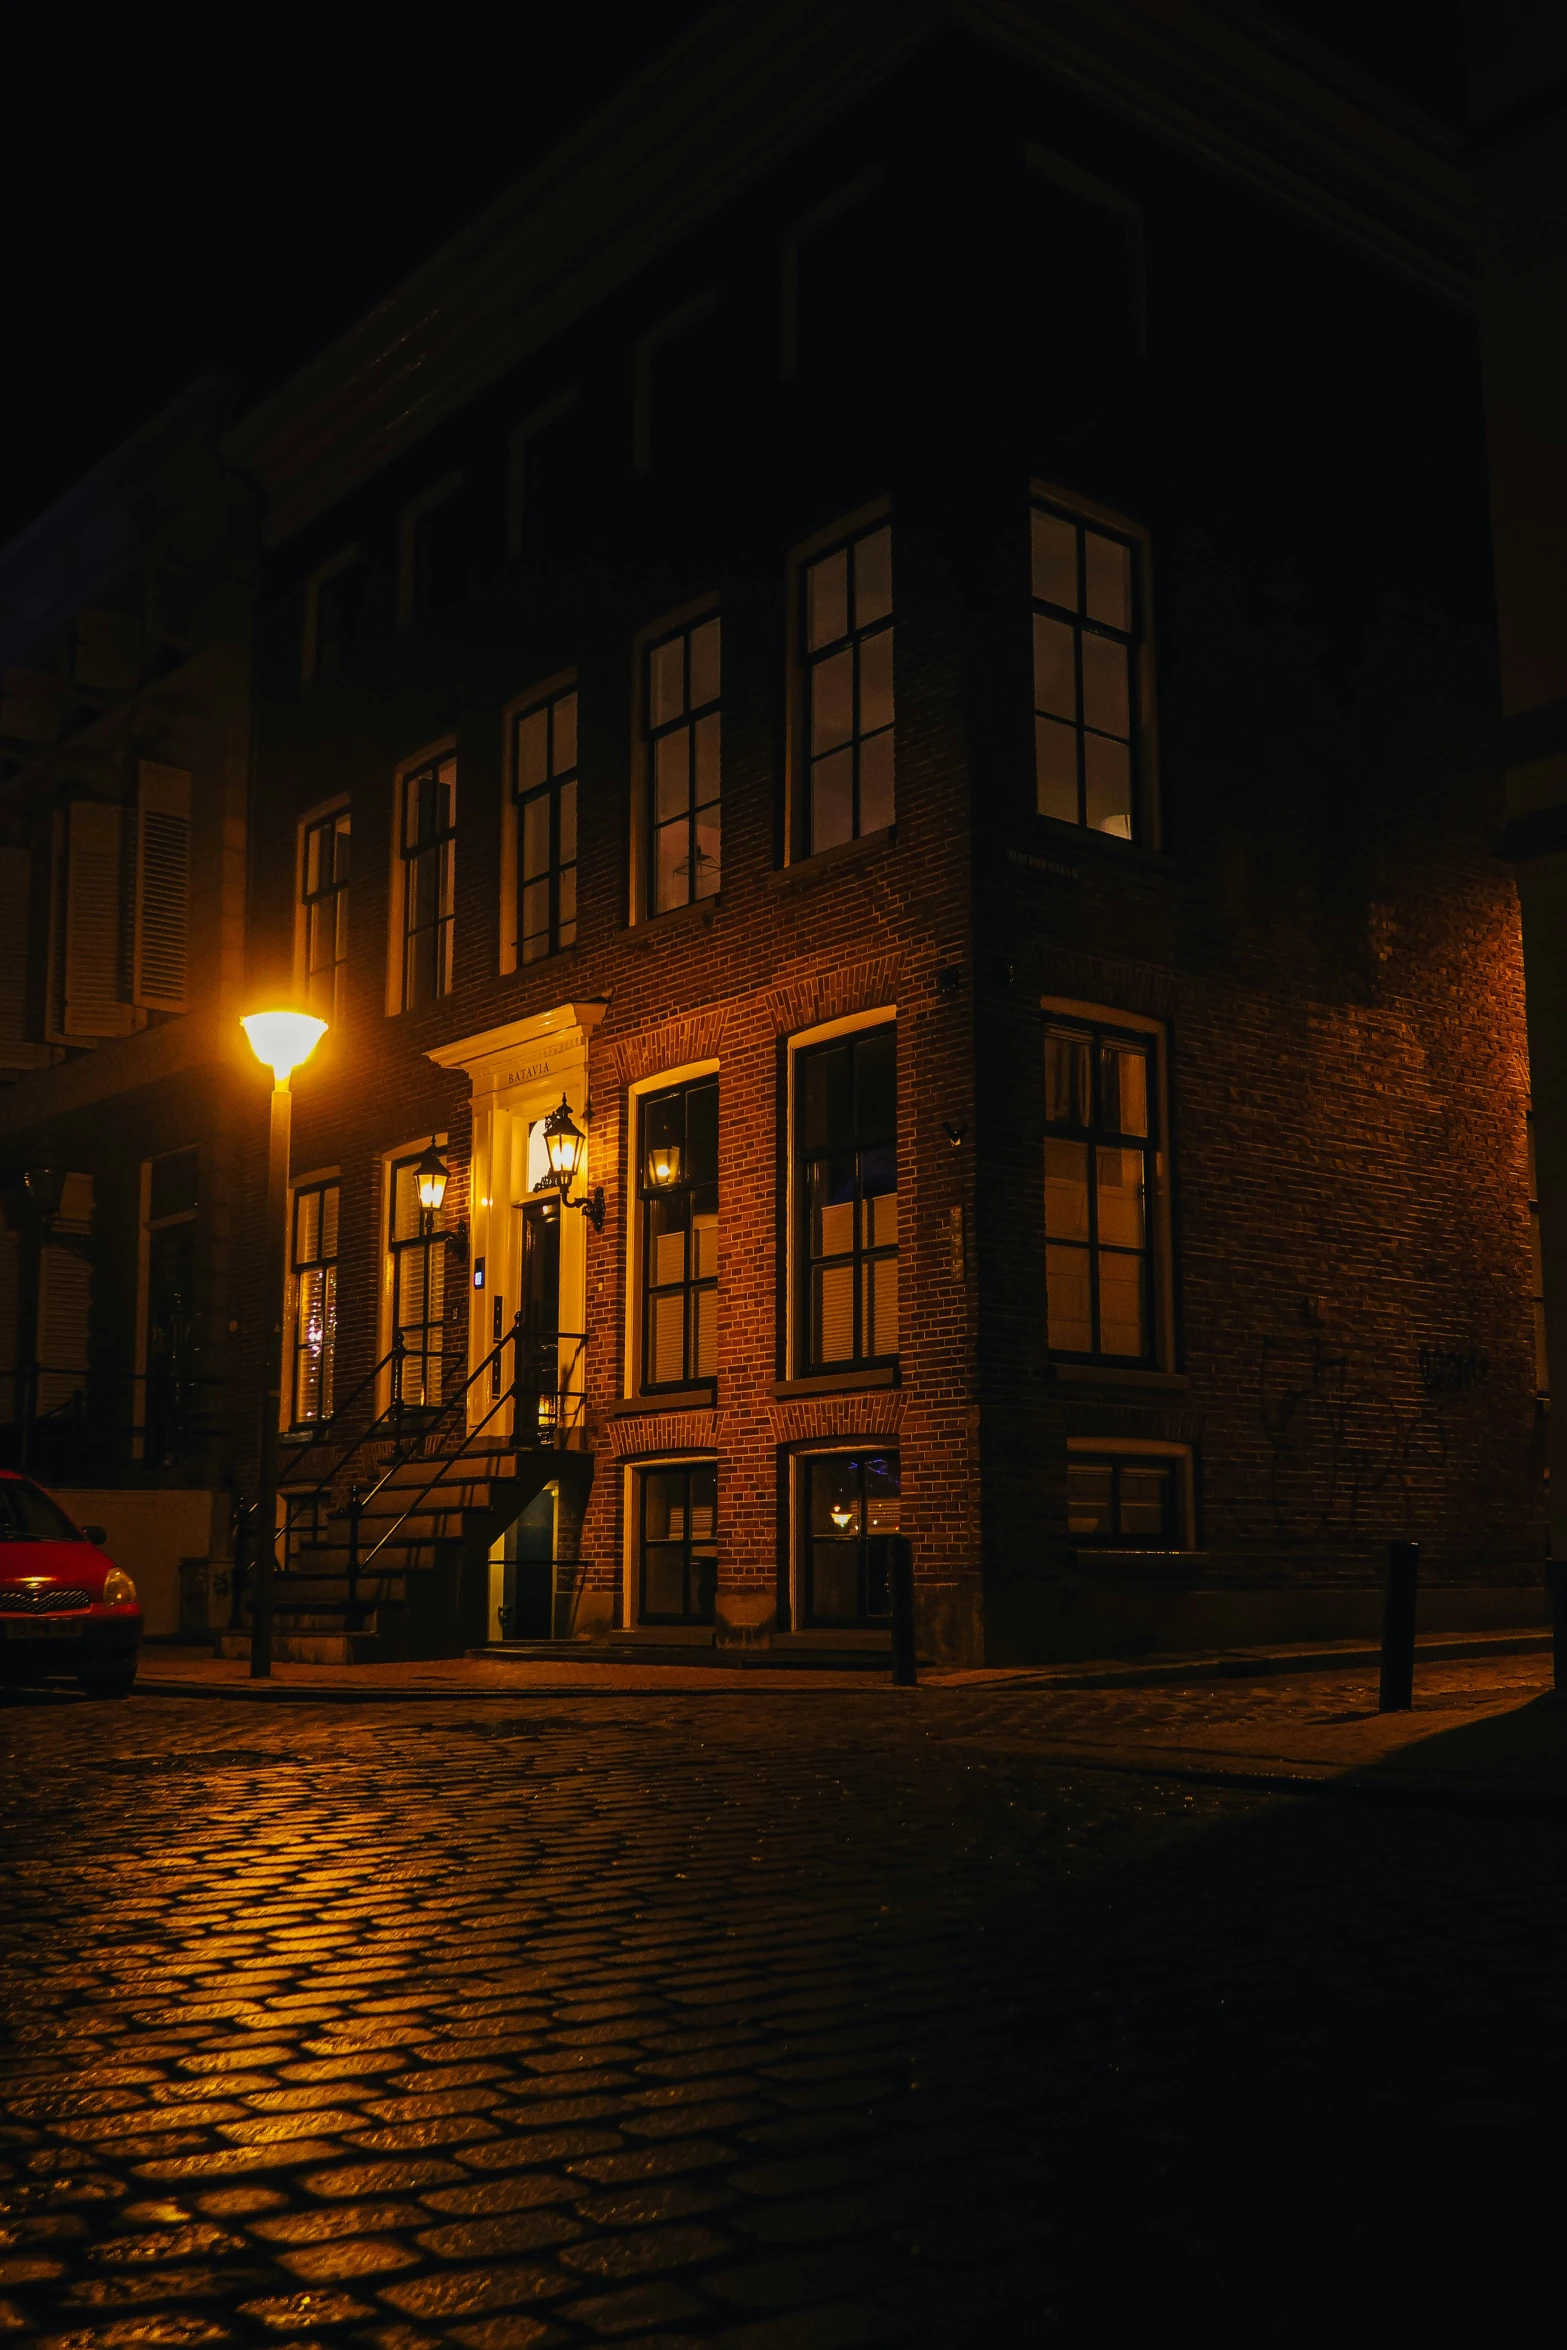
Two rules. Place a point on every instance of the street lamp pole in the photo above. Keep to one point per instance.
(282, 1040)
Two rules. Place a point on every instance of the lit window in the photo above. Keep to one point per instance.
(1099, 1173)
(313, 1258)
(418, 1266)
(847, 1499)
(1124, 1498)
(677, 1575)
(324, 897)
(429, 831)
(1085, 673)
(682, 725)
(545, 784)
(847, 1180)
(678, 1185)
(846, 630)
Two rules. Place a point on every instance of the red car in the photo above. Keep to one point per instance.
(67, 1612)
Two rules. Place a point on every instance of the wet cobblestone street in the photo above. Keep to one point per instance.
(783, 2021)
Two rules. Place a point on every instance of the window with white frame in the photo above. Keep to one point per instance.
(846, 659)
(844, 1500)
(682, 728)
(313, 1277)
(676, 1542)
(677, 1186)
(323, 901)
(1087, 671)
(544, 785)
(846, 1192)
(1101, 1169)
(427, 850)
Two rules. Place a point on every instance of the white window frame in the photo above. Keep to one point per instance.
(440, 493)
(306, 1431)
(387, 1162)
(1160, 1226)
(885, 1015)
(545, 690)
(445, 748)
(796, 738)
(1147, 821)
(685, 1074)
(1134, 1448)
(687, 615)
(340, 804)
(322, 576)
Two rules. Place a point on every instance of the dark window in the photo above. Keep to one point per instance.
(846, 630)
(339, 602)
(429, 831)
(1122, 1499)
(681, 730)
(418, 1256)
(324, 893)
(172, 1186)
(846, 1109)
(1099, 1168)
(441, 557)
(545, 771)
(677, 1535)
(678, 1182)
(1085, 674)
(313, 1256)
(848, 1498)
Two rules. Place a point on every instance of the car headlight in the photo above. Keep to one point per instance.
(118, 1589)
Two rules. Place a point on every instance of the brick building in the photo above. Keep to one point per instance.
(904, 626)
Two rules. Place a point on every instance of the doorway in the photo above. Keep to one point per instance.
(528, 1599)
(538, 1346)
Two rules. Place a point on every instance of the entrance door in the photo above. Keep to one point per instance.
(530, 1572)
(539, 1348)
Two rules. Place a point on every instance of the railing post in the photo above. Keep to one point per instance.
(516, 1380)
(1397, 1693)
(399, 1349)
(356, 1503)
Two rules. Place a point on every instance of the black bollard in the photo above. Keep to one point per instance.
(905, 1662)
(1556, 1584)
(1397, 1692)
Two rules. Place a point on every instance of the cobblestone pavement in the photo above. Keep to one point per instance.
(779, 2022)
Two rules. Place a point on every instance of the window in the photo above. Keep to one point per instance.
(1099, 1172)
(846, 632)
(846, 1111)
(545, 773)
(677, 1557)
(847, 1498)
(313, 1265)
(681, 730)
(1085, 673)
(1129, 1499)
(323, 894)
(418, 1264)
(678, 1187)
(429, 826)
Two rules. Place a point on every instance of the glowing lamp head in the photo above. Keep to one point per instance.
(563, 1143)
(842, 1516)
(431, 1176)
(283, 1039)
(663, 1164)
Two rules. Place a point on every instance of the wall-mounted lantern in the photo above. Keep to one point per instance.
(565, 1145)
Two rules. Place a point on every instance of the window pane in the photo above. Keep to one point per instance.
(664, 1500)
(1055, 560)
(876, 1091)
(1066, 1078)
(666, 689)
(535, 920)
(1089, 1496)
(1068, 1312)
(881, 1494)
(876, 809)
(827, 601)
(663, 1582)
(533, 741)
(568, 823)
(832, 701)
(1055, 667)
(704, 1364)
(1146, 1493)
(1109, 580)
(880, 1306)
(671, 775)
(881, 1221)
(667, 1240)
(1055, 763)
(708, 767)
(307, 1227)
(568, 905)
(671, 864)
(1120, 1180)
(565, 734)
(702, 1134)
(834, 1332)
(833, 1502)
(828, 1114)
(1066, 1189)
(536, 837)
(1108, 780)
(704, 663)
(668, 1317)
(709, 861)
(835, 1582)
(1120, 1304)
(1123, 1081)
(329, 1206)
(832, 800)
(876, 682)
(872, 577)
(1105, 692)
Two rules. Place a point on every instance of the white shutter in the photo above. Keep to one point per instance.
(92, 924)
(17, 1050)
(162, 887)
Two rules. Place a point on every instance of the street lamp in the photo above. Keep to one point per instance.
(565, 1145)
(281, 1040)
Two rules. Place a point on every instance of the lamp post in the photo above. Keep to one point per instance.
(281, 1040)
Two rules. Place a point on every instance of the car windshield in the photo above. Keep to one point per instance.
(28, 1515)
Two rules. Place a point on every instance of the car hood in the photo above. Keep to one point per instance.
(82, 1565)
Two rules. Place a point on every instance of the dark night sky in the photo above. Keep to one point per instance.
(169, 209)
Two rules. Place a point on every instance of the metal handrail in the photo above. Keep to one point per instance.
(393, 1356)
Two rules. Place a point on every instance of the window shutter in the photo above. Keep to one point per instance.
(93, 1005)
(17, 1051)
(162, 887)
